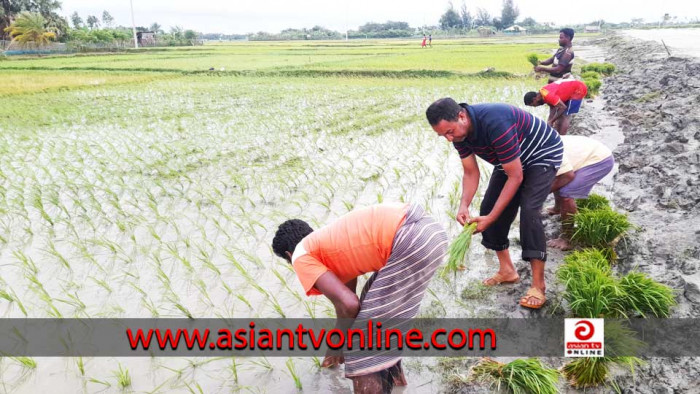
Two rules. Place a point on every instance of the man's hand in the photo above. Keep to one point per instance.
(538, 68)
(463, 214)
(332, 361)
(482, 222)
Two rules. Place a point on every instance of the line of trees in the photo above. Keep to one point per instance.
(315, 33)
(389, 29)
(464, 20)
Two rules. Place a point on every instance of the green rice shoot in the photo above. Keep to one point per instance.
(519, 376)
(458, 250)
(293, 372)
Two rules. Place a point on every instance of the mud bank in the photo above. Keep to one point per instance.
(653, 98)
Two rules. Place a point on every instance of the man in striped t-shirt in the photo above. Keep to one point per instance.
(526, 154)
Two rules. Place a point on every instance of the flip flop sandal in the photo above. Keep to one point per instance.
(536, 294)
(499, 279)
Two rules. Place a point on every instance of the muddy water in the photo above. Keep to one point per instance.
(680, 42)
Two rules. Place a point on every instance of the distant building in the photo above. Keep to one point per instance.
(591, 29)
(515, 30)
(146, 38)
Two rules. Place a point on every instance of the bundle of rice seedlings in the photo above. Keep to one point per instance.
(591, 290)
(533, 59)
(593, 202)
(620, 340)
(599, 228)
(590, 74)
(603, 68)
(458, 250)
(519, 376)
(593, 85)
(587, 372)
(646, 296)
(589, 255)
(593, 371)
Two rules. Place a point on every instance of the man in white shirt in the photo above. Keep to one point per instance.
(585, 162)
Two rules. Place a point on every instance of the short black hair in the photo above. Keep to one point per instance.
(529, 97)
(288, 235)
(443, 109)
(568, 31)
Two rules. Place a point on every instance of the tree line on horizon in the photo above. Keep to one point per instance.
(38, 22)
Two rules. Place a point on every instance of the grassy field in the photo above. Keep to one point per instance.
(141, 184)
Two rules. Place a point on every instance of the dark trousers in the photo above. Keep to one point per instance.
(536, 185)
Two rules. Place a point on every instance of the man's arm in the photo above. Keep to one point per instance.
(346, 303)
(559, 68)
(556, 112)
(547, 62)
(514, 171)
(470, 182)
(562, 180)
(352, 285)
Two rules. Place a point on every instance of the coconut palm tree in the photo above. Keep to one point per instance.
(30, 28)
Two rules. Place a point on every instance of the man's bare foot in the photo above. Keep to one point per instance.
(507, 278)
(559, 243)
(551, 211)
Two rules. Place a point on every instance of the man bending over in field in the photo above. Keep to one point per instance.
(586, 161)
(525, 153)
(564, 98)
(398, 242)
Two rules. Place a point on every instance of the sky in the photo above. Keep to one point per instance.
(240, 17)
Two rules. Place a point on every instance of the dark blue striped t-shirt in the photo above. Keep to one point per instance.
(501, 133)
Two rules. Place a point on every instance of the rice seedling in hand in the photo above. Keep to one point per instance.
(593, 202)
(599, 228)
(458, 250)
(533, 59)
(519, 376)
(645, 296)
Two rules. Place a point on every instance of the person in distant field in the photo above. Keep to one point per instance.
(430, 40)
(526, 154)
(586, 161)
(422, 44)
(564, 98)
(563, 59)
(399, 243)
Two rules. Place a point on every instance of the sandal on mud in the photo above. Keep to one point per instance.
(536, 294)
(499, 279)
